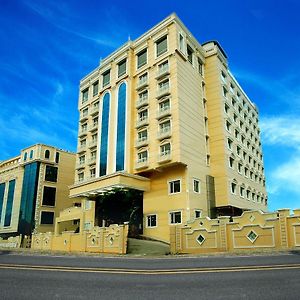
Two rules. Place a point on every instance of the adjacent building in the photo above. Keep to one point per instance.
(34, 188)
(163, 115)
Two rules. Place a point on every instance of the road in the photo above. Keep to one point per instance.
(24, 276)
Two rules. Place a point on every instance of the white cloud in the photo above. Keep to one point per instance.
(283, 130)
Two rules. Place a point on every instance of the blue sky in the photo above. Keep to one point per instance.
(47, 46)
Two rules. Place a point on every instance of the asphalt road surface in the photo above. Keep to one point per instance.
(24, 276)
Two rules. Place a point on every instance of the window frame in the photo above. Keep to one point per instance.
(145, 50)
(147, 223)
(170, 217)
(165, 36)
(47, 224)
(199, 185)
(170, 182)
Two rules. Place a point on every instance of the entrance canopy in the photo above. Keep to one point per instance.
(99, 186)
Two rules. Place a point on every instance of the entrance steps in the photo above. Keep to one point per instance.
(147, 247)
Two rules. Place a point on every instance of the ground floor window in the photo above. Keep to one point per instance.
(175, 217)
(151, 221)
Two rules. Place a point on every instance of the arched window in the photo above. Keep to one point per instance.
(31, 154)
(25, 156)
(47, 154)
(57, 157)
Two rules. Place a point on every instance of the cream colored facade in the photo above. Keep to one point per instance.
(153, 119)
(34, 188)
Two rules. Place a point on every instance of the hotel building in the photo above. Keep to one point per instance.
(34, 188)
(163, 115)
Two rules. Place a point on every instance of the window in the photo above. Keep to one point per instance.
(47, 154)
(181, 43)
(93, 173)
(106, 78)
(143, 96)
(225, 92)
(164, 105)
(197, 213)
(142, 156)
(31, 154)
(85, 95)
(93, 155)
(246, 172)
(151, 221)
(51, 174)
(238, 150)
(189, 52)
(121, 68)
(80, 176)
(242, 191)
(161, 46)
(240, 168)
(226, 108)
(200, 66)
(143, 135)
(95, 121)
(57, 157)
(231, 162)
(47, 217)
(175, 217)
(25, 156)
(229, 143)
(81, 159)
(228, 125)
(49, 196)
(95, 88)
(223, 76)
(165, 126)
(174, 186)
(165, 149)
(163, 86)
(196, 185)
(163, 67)
(143, 79)
(143, 115)
(248, 194)
(141, 58)
(233, 187)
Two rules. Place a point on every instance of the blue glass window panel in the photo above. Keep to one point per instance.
(2, 191)
(28, 198)
(104, 134)
(120, 152)
(9, 203)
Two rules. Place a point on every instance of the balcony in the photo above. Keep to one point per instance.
(80, 165)
(141, 102)
(83, 117)
(92, 160)
(141, 142)
(163, 112)
(93, 127)
(141, 164)
(94, 110)
(142, 122)
(82, 132)
(163, 91)
(81, 148)
(164, 133)
(164, 157)
(163, 71)
(143, 82)
(93, 144)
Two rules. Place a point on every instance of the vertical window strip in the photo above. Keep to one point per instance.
(120, 151)
(9, 204)
(104, 135)
(2, 191)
